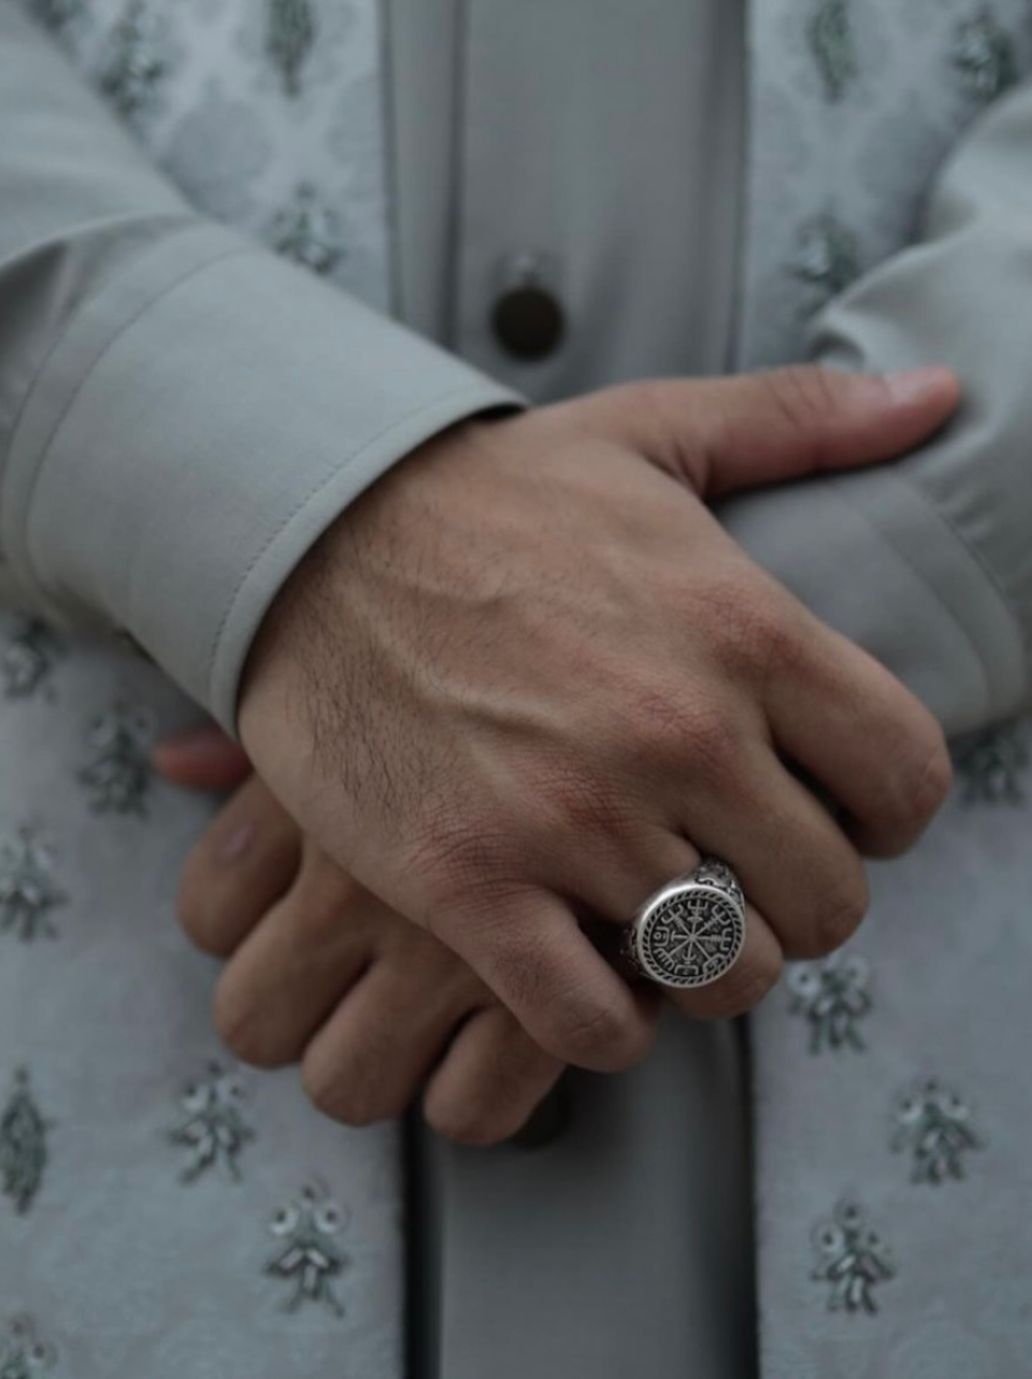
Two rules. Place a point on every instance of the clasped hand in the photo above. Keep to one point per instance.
(520, 684)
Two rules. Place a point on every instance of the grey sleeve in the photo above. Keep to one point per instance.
(181, 413)
(927, 562)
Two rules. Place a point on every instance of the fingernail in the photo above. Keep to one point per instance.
(915, 385)
(235, 844)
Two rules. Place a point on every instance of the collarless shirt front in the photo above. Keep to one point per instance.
(535, 155)
(606, 144)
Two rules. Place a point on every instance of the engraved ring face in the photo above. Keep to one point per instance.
(689, 935)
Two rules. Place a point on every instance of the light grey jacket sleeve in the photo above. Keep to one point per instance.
(928, 562)
(181, 413)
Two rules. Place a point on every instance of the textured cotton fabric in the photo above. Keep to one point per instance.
(143, 392)
(162, 1211)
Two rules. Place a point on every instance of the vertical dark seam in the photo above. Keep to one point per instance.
(745, 1047)
(392, 193)
(423, 1249)
(744, 207)
(456, 173)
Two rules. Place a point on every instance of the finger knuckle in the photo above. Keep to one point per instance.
(199, 907)
(246, 1031)
(652, 716)
(916, 780)
(478, 1126)
(928, 783)
(347, 1095)
(492, 1109)
(664, 719)
(839, 914)
(663, 716)
(741, 990)
(841, 921)
(760, 633)
(780, 644)
(710, 742)
(752, 626)
(603, 1039)
(458, 857)
(326, 898)
(578, 798)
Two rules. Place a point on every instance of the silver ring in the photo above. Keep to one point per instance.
(692, 931)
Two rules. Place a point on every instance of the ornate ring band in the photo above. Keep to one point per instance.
(692, 931)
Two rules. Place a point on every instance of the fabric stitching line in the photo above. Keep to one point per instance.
(977, 557)
(901, 555)
(85, 305)
(472, 389)
(905, 559)
(46, 448)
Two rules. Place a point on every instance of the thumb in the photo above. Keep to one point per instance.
(202, 758)
(743, 432)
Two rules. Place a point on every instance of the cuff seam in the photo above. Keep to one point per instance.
(930, 509)
(977, 558)
(45, 448)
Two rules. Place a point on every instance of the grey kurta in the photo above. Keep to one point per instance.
(103, 252)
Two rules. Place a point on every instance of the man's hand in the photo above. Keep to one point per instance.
(320, 972)
(527, 677)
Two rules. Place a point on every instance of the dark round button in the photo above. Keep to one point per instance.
(528, 321)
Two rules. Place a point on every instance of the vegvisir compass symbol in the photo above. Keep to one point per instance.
(689, 933)
(692, 939)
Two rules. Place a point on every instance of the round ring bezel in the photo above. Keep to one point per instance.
(646, 917)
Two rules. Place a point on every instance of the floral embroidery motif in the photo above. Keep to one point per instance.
(136, 60)
(23, 1146)
(933, 1124)
(985, 56)
(212, 1127)
(833, 997)
(308, 232)
(830, 36)
(289, 36)
(117, 774)
(309, 1256)
(28, 891)
(28, 658)
(23, 1354)
(852, 1259)
(827, 257)
(991, 764)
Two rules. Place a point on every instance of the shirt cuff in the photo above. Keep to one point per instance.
(873, 559)
(200, 423)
